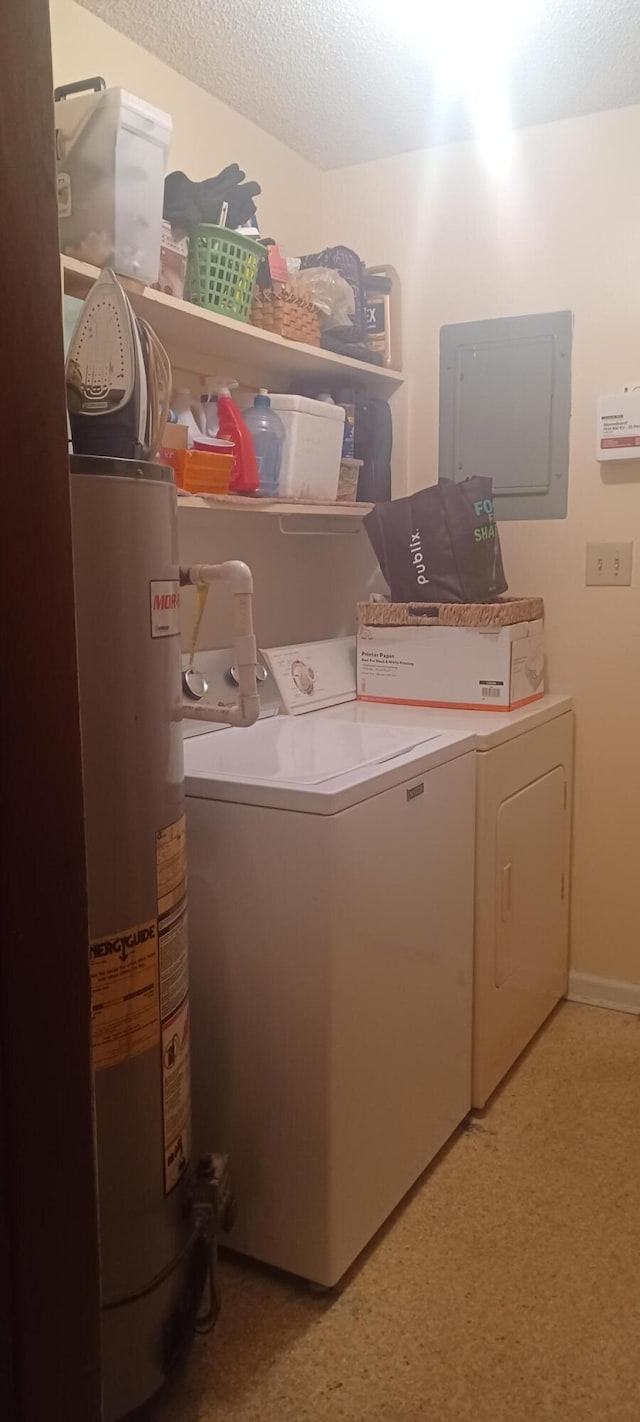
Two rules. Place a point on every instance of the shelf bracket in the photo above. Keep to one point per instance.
(297, 526)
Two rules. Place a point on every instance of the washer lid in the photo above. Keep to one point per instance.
(310, 763)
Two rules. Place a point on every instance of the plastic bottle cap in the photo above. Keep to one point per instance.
(262, 400)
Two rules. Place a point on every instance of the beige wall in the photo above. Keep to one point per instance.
(561, 230)
(306, 587)
(206, 134)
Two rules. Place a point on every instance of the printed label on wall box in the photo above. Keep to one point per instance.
(176, 1095)
(165, 608)
(125, 1008)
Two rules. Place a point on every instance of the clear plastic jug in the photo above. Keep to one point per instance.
(268, 435)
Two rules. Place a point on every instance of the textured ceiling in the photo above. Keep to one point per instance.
(342, 81)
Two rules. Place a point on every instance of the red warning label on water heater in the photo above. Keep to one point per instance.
(165, 607)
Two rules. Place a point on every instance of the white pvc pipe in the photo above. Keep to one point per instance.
(237, 574)
(245, 711)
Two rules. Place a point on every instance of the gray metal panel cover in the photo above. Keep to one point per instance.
(505, 405)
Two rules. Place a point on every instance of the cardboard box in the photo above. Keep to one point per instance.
(174, 255)
(174, 436)
(472, 668)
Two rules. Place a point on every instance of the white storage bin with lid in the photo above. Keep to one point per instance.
(312, 448)
(111, 150)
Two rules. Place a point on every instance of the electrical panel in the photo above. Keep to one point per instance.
(505, 406)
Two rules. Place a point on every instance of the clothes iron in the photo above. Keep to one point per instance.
(118, 377)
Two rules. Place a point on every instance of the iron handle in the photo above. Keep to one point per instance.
(80, 86)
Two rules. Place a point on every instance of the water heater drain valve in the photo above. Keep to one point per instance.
(214, 1211)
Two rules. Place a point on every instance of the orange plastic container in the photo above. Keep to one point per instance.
(200, 472)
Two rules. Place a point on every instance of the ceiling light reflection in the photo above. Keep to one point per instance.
(471, 46)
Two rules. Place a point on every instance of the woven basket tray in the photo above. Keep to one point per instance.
(450, 614)
(287, 315)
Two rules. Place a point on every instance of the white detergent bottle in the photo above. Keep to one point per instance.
(185, 416)
(268, 435)
(209, 408)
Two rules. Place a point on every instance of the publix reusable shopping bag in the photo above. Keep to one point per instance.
(441, 544)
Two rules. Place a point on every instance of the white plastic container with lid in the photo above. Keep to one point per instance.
(111, 150)
(312, 449)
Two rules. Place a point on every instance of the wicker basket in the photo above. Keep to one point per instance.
(287, 315)
(451, 614)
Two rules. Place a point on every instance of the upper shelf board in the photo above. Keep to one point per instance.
(277, 508)
(199, 340)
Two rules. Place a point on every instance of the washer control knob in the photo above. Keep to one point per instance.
(194, 683)
(231, 675)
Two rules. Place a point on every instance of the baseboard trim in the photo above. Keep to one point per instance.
(604, 992)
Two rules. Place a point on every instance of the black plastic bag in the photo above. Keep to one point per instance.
(373, 443)
(350, 266)
(441, 544)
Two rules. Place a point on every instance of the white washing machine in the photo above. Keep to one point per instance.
(331, 932)
(524, 765)
(523, 842)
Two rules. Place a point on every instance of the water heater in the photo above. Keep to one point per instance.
(156, 1211)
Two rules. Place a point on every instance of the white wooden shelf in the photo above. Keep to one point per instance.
(278, 508)
(209, 344)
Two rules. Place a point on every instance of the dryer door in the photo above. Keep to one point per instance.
(531, 898)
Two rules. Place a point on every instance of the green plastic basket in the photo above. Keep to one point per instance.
(222, 270)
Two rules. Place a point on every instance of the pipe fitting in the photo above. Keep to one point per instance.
(239, 580)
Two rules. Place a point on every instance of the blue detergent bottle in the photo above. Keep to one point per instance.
(268, 435)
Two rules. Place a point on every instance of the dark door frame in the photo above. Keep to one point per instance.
(49, 1262)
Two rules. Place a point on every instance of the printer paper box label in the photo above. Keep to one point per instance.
(473, 668)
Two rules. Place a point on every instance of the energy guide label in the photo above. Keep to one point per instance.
(173, 943)
(125, 1016)
(171, 885)
(171, 877)
(171, 864)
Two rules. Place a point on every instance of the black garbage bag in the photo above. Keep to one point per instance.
(441, 544)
